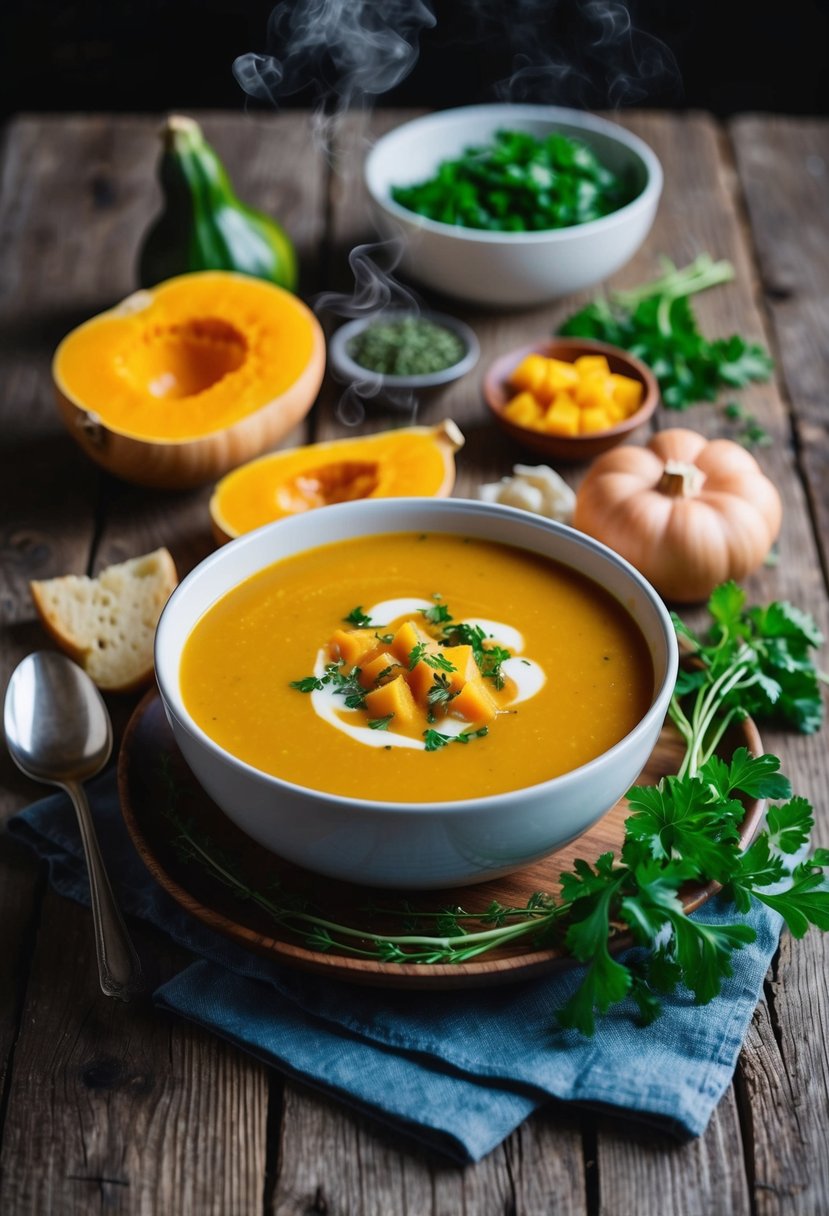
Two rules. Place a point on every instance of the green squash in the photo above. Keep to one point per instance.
(203, 225)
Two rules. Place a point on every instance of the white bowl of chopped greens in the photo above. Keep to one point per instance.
(397, 349)
(513, 204)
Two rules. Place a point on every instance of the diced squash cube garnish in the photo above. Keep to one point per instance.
(615, 412)
(560, 375)
(382, 667)
(404, 641)
(474, 702)
(463, 661)
(392, 698)
(529, 374)
(626, 392)
(588, 364)
(523, 410)
(350, 646)
(594, 391)
(595, 419)
(562, 418)
(421, 678)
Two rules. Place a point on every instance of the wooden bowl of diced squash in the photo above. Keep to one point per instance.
(570, 398)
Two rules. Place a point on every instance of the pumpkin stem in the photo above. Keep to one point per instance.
(680, 480)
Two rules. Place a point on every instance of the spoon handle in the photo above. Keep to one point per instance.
(119, 969)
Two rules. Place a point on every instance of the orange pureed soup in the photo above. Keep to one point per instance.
(556, 674)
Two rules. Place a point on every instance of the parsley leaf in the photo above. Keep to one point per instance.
(380, 723)
(656, 323)
(358, 618)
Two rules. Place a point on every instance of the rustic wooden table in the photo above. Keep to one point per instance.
(122, 1109)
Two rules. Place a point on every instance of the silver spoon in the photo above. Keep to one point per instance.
(58, 731)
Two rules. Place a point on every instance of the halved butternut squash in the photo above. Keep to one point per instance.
(414, 460)
(176, 385)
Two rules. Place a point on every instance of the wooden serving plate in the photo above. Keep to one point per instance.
(149, 761)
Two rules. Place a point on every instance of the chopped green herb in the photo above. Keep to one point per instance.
(435, 740)
(378, 679)
(439, 662)
(380, 723)
(308, 684)
(440, 694)
(406, 346)
(487, 654)
(385, 638)
(358, 618)
(416, 654)
(519, 183)
(438, 614)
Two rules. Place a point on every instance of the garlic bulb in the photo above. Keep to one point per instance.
(538, 489)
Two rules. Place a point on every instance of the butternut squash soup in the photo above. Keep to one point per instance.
(416, 667)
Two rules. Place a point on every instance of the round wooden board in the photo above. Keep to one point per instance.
(150, 767)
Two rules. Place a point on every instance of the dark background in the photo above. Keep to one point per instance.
(150, 55)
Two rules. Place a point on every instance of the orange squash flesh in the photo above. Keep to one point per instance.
(416, 461)
(213, 366)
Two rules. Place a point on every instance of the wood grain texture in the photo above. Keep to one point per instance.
(635, 1165)
(343, 1165)
(783, 167)
(119, 1109)
(783, 180)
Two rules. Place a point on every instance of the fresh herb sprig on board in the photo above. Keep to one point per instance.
(656, 323)
(754, 661)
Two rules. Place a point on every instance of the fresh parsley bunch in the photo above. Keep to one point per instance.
(750, 661)
(656, 323)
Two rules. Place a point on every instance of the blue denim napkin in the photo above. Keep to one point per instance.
(456, 1070)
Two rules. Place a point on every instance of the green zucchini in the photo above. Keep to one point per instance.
(203, 225)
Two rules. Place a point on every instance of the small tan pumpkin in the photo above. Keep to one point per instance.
(689, 513)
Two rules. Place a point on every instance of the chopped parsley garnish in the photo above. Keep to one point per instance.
(487, 654)
(438, 614)
(385, 672)
(435, 740)
(346, 686)
(380, 723)
(416, 654)
(440, 693)
(358, 618)
(308, 684)
(385, 638)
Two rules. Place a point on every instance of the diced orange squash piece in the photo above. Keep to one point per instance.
(463, 660)
(371, 670)
(615, 412)
(523, 410)
(404, 641)
(474, 702)
(421, 678)
(587, 365)
(562, 418)
(392, 698)
(595, 419)
(627, 393)
(529, 374)
(560, 375)
(350, 646)
(594, 391)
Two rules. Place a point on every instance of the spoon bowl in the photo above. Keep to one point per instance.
(56, 722)
(58, 731)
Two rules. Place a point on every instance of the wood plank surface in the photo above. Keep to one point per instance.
(131, 1111)
(202, 1141)
(783, 171)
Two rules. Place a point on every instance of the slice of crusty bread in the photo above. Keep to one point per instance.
(107, 624)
